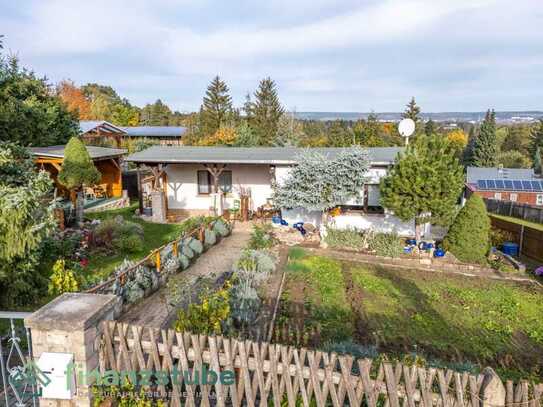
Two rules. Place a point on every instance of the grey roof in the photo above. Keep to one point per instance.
(96, 153)
(155, 131)
(88, 125)
(246, 155)
(476, 173)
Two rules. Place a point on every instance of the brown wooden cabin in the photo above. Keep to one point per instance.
(101, 133)
(106, 160)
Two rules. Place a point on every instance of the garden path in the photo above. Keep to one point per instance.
(154, 311)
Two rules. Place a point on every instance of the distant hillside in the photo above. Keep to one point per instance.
(504, 117)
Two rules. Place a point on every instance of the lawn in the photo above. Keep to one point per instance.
(155, 235)
(444, 320)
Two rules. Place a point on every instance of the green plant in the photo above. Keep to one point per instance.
(386, 244)
(210, 238)
(261, 237)
(117, 235)
(221, 227)
(196, 245)
(340, 238)
(244, 303)
(62, 280)
(208, 316)
(468, 237)
(500, 236)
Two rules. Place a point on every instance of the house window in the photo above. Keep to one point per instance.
(539, 199)
(513, 197)
(225, 181)
(205, 182)
(497, 195)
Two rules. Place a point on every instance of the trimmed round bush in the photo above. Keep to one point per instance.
(196, 245)
(210, 238)
(469, 235)
(221, 228)
(184, 261)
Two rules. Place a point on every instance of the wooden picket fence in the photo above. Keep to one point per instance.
(271, 373)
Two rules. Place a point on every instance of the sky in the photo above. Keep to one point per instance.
(334, 56)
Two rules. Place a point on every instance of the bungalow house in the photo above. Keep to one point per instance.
(100, 133)
(106, 160)
(506, 184)
(188, 177)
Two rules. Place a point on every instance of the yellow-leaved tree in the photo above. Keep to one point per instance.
(225, 136)
(458, 140)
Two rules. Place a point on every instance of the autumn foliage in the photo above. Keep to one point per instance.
(225, 136)
(74, 99)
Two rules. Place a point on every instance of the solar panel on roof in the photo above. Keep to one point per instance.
(536, 186)
(481, 184)
(499, 184)
(517, 185)
(508, 184)
(526, 185)
(490, 184)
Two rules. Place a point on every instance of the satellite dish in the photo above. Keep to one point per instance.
(406, 129)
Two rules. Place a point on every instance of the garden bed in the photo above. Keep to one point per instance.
(432, 318)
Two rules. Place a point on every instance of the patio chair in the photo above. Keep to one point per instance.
(234, 211)
(89, 194)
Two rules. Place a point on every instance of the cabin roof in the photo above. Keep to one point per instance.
(155, 131)
(89, 125)
(247, 155)
(96, 153)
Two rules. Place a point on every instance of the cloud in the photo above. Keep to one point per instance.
(324, 54)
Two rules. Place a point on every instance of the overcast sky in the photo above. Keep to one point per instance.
(452, 55)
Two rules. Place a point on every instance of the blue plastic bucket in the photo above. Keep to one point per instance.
(439, 253)
(510, 248)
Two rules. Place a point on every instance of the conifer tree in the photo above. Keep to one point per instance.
(430, 127)
(412, 111)
(485, 148)
(537, 140)
(319, 183)
(266, 111)
(468, 236)
(77, 170)
(217, 106)
(538, 164)
(424, 183)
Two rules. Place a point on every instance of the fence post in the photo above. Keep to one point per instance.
(71, 324)
(521, 243)
(492, 390)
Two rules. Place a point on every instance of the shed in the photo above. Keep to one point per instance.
(106, 160)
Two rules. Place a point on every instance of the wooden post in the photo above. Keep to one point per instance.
(140, 189)
(366, 198)
(521, 239)
(158, 261)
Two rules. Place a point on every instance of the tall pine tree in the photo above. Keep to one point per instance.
(412, 111)
(266, 111)
(425, 183)
(537, 140)
(485, 147)
(217, 107)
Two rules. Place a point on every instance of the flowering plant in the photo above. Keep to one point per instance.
(539, 271)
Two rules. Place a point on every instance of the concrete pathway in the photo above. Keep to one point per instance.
(154, 310)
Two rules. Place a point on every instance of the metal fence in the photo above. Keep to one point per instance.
(15, 353)
(514, 209)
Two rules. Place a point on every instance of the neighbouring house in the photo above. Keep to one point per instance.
(188, 178)
(106, 160)
(101, 133)
(163, 135)
(507, 184)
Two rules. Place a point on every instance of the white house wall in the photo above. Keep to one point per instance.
(182, 188)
